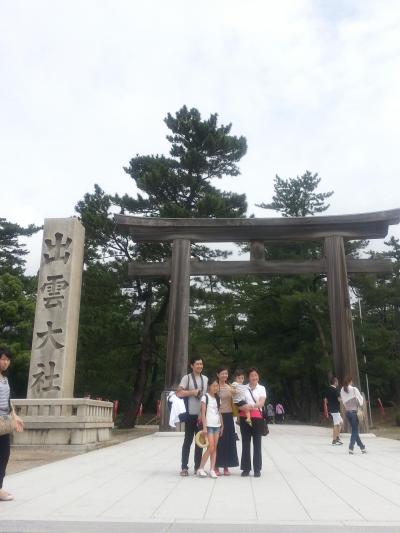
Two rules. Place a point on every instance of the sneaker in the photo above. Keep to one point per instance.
(363, 450)
(201, 473)
(351, 452)
(245, 473)
(257, 474)
(213, 474)
(339, 442)
(184, 472)
(334, 442)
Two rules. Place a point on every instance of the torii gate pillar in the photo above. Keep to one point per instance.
(178, 323)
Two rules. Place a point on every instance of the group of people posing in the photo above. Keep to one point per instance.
(352, 400)
(215, 402)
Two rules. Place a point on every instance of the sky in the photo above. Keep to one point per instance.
(85, 86)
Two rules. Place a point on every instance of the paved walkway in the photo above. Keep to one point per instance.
(306, 485)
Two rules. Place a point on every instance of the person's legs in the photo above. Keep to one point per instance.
(205, 457)
(246, 431)
(213, 450)
(352, 418)
(4, 456)
(257, 439)
(190, 430)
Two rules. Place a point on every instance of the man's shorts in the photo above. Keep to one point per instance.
(337, 419)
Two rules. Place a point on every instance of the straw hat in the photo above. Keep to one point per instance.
(201, 440)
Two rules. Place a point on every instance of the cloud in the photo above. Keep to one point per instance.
(85, 86)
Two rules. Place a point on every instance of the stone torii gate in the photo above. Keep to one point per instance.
(257, 231)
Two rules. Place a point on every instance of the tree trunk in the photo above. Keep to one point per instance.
(145, 358)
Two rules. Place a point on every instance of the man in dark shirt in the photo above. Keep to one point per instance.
(333, 404)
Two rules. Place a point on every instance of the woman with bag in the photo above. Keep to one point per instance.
(8, 420)
(226, 452)
(352, 401)
(255, 400)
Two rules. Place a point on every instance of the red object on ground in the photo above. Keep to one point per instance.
(115, 408)
(326, 414)
(380, 405)
(158, 408)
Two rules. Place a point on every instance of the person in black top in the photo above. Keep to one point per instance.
(333, 404)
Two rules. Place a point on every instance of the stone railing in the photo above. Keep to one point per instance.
(66, 421)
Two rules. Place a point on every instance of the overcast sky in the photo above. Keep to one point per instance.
(85, 85)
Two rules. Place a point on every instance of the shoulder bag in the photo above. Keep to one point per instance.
(7, 423)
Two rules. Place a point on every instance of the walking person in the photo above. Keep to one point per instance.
(270, 414)
(213, 427)
(191, 388)
(227, 456)
(279, 413)
(255, 400)
(352, 399)
(332, 397)
(6, 410)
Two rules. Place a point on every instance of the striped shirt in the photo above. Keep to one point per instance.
(4, 396)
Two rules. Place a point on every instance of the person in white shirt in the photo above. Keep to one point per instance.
(352, 399)
(255, 400)
(212, 426)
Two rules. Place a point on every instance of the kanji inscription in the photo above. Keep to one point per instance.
(48, 336)
(41, 379)
(58, 250)
(53, 288)
(52, 368)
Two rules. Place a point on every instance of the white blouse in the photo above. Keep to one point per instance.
(352, 398)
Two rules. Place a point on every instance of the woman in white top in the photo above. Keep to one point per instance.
(255, 400)
(212, 426)
(352, 399)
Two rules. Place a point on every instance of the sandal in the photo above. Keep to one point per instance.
(226, 472)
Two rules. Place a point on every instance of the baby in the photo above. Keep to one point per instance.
(239, 398)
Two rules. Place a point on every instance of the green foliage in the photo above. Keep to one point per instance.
(378, 333)
(179, 186)
(12, 252)
(17, 311)
(175, 186)
(108, 335)
(296, 197)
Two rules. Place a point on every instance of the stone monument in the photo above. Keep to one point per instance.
(51, 415)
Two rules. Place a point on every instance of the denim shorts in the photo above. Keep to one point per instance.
(213, 430)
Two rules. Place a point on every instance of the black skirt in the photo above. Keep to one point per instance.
(226, 450)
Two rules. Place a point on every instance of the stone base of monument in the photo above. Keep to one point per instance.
(73, 423)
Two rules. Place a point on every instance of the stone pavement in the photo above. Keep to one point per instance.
(307, 485)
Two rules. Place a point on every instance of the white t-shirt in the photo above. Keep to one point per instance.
(239, 392)
(213, 419)
(258, 392)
